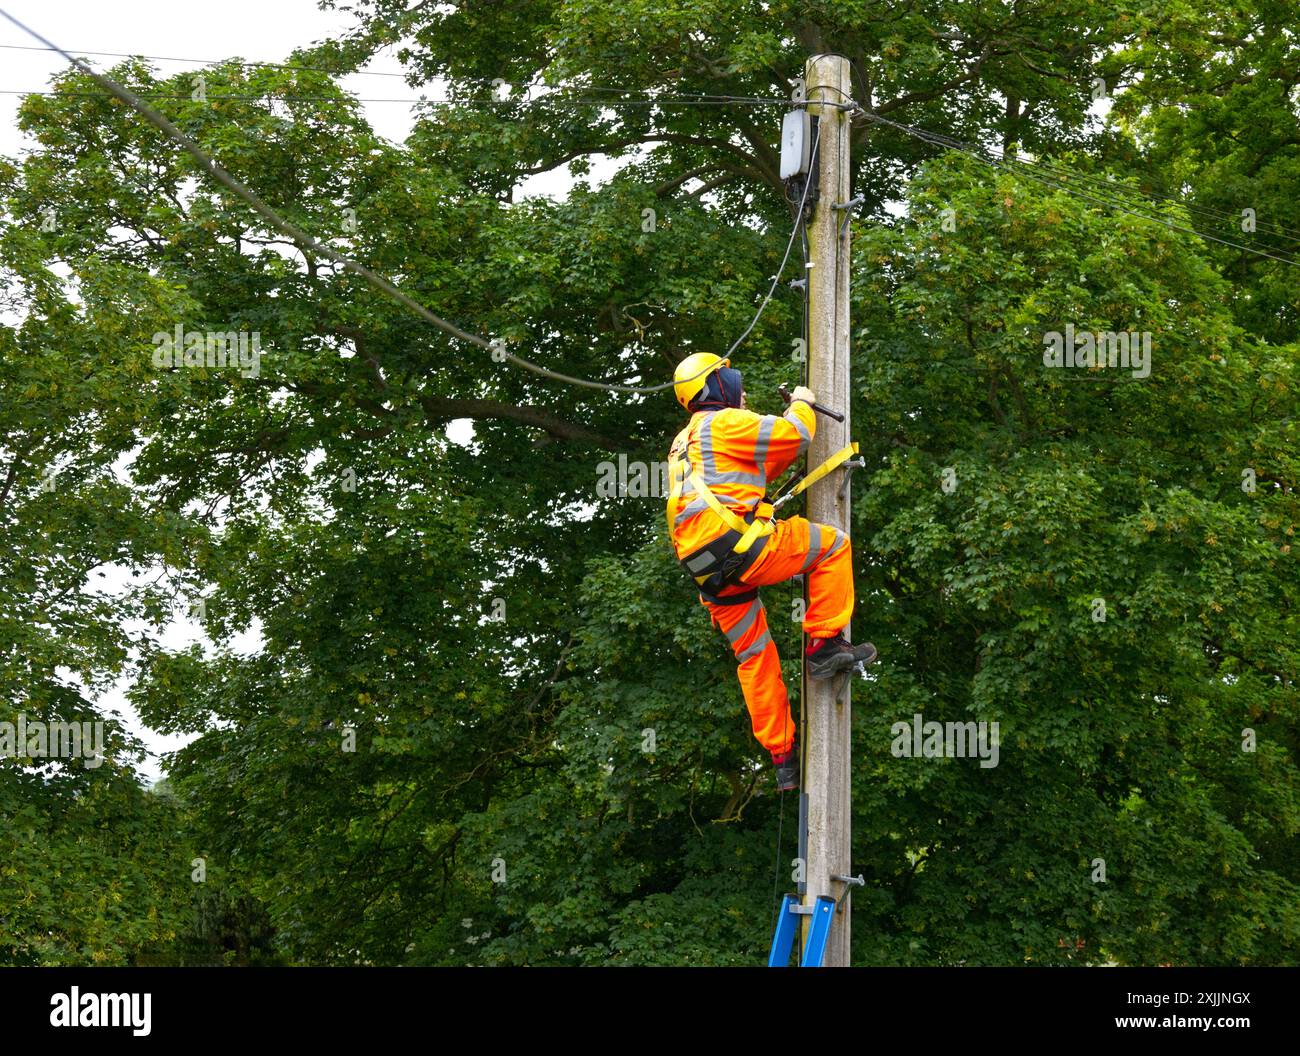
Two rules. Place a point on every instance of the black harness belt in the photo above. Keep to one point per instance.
(717, 564)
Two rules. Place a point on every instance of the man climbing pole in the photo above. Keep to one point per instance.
(725, 535)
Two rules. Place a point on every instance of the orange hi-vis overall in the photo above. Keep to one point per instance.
(734, 453)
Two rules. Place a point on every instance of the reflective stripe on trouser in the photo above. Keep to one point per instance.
(824, 556)
(760, 672)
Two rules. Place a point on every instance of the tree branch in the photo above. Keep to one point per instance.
(443, 409)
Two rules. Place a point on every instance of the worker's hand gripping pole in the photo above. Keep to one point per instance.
(785, 395)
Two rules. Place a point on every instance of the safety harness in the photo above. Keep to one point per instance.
(723, 561)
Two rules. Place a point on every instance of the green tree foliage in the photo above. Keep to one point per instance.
(1216, 114)
(489, 722)
(90, 863)
(1122, 738)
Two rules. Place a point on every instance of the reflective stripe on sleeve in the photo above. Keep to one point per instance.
(764, 438)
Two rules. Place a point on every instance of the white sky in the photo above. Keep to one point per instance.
(253, 30)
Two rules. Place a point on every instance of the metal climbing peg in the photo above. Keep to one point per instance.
(847, 209)
(849, 467)
(842, 697)
(849, 883)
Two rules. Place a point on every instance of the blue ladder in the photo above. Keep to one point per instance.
(822, 912)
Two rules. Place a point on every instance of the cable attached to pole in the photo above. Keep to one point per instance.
(496, 347)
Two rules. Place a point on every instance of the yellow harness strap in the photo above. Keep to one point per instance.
(834, 462)
(677, 467)
(748, 532)
(676, 473)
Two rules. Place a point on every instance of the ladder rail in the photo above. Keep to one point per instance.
(787, 927)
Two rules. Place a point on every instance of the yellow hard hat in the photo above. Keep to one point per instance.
(688, 378)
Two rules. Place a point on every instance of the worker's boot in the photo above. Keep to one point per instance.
(827, 657)
(787, 769)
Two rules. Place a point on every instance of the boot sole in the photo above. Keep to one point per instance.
(842, 662)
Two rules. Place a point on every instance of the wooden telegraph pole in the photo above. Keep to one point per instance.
(827, 773)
